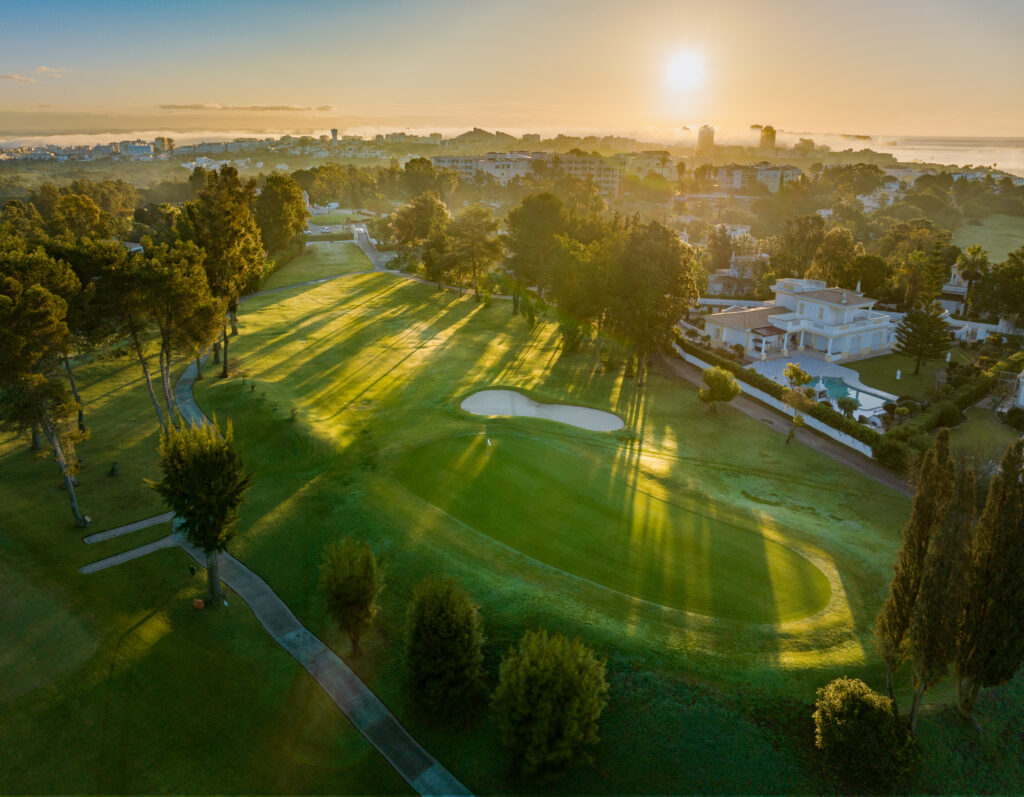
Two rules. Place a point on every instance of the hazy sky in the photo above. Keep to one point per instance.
(928, 67)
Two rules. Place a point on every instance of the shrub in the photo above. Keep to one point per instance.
(351, 579)
(891, 452)
(946, 414)
(551, 692)
(863, 742)
(444, 646)
(1015, 418)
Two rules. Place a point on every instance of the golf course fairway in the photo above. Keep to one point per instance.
(589, 522)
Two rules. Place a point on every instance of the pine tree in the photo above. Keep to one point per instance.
(203, 485)
(220, 222)
(931, 638)
(935, 488)
(990, 645)
(923, 334)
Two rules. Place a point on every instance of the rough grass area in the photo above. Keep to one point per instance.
(998, 234)
(591, 522)
(880, 372)
(319, 261)
(111, 682)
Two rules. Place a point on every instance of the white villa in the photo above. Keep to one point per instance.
(806, 315)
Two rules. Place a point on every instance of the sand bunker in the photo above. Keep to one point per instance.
(509, 402)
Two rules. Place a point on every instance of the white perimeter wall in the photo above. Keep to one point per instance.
(771, 401)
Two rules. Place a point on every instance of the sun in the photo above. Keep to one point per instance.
(684, 71)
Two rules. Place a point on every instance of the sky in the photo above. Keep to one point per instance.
(650, 69)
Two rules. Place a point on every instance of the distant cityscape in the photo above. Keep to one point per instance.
(606, 160)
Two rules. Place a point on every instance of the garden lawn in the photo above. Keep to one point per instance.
(983, 437)
(880, 372)
(998, 234)
(320, 261)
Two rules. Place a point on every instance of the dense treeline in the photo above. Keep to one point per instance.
(606, 275)
(69, 287)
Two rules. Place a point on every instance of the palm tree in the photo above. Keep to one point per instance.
(972, 265)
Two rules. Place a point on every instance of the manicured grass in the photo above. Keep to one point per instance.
(880, 372)
(593, 524)
(374, 366)
(998, 234)
(320, 260)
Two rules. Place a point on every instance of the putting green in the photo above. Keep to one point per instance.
(587, 521)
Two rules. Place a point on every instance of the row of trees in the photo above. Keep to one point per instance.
(607, 275)
(954, 607)
(957, 593)
(551, 690)
(68, 288)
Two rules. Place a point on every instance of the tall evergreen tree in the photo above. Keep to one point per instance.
(652, 287)
(533, 225)
(923, 334)
(990, 645)
(220, 222)
(33, 338)
(935, 488)
(280, 212)
(474, 244)
(931, 637)
(203, 483)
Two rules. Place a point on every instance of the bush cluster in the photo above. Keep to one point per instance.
(911, 438)
(863, 742)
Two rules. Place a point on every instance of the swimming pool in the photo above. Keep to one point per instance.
(836, 388)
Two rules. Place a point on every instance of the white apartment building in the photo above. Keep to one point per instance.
(806, 315)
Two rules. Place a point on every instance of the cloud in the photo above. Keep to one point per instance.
(50, 71)
(202, 106)
(19, 78)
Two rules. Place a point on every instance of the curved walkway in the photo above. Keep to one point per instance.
(364, 709)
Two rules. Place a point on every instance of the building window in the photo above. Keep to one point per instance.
(821, 313)
(800, 309)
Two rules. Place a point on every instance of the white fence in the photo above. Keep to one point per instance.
(771, 401)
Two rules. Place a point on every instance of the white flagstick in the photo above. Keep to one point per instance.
(488, 449)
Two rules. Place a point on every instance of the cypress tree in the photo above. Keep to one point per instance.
(935, 488)
(990, 645)
(931, 638)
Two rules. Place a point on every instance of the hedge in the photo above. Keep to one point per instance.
(821, 412)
